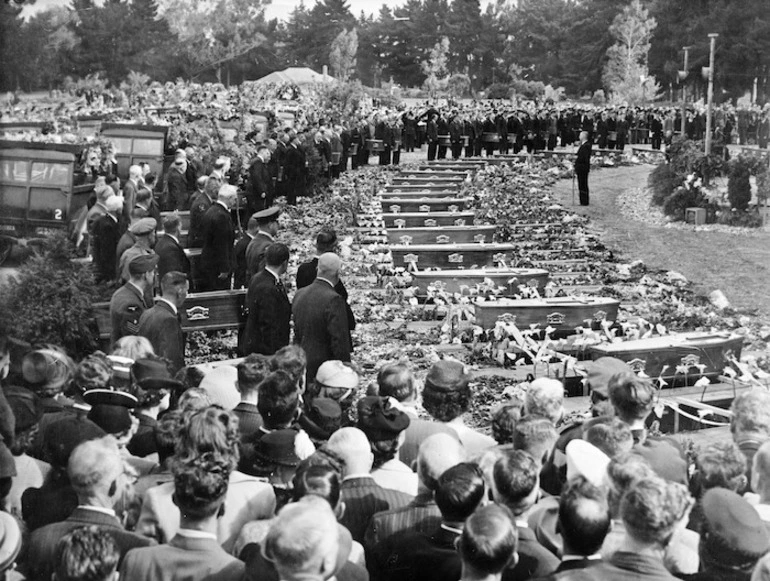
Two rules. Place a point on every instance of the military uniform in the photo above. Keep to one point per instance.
(126, 306)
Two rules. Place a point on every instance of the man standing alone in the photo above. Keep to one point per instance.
(582, 167)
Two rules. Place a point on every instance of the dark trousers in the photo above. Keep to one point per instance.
(656, 140)
(385, 156)
(432, 148)
(396, 156)
(582, 179)
(457, 150)
(409, 142)
(490, 147)
(211, 282)
(442, 152)
(551, 141)
(469, 151)
(477, 147)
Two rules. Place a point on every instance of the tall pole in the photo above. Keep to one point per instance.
(683, 124)
(713, 36)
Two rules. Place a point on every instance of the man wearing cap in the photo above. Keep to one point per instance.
(267, 230)
(153, 384)
(106, 234)
(144, 230)
(170, 253)
(130, 301)
(268, 323)
(217, 260)
(161, 324)
(199, 203)
(96, 472)
(320, 319)
(252, 228)
(260, 187)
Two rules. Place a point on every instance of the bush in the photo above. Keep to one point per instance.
(662, 181)
(50, 300)
(741, 219)
(739, 187)
(681, 199)
(498, 91)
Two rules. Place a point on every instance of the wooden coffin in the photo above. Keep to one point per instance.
(678, 351)
(425, 187)
(452, 256)
(429, 180)
(421, 193)
(444, 140)
(441, 235)
(490, 137)
(212, 311)
(563, 314)
(431, 220)
(396, 205)
(375, 145)
(453, 281)
(454, 165)
(436, 173)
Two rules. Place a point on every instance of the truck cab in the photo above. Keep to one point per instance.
(136, 144)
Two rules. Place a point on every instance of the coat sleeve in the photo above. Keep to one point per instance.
(167, 343)
(337, 327)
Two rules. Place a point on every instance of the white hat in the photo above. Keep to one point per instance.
(336, 374)
(585, 459)
(219, 383)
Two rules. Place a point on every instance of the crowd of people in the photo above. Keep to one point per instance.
(285, 467)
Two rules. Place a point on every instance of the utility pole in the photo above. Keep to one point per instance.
(682, 77)
(713, 36)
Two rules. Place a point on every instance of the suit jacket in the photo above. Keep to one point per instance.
(419, 516)
(573, 570)
(416, 557)
(306, 273)
(171, 255)
(177, 189)
(248, 498)
(631, 567)
(51, 503)
(217, 237)
(260, 569)
(129, 199)
(240, 261)
(534, 559)
(321, 325)
(255, 254)
(106, 234)
(183, 559)
(294, 168)
(260, 192)
(363, 497)
(163, 328)
(249, 422)
(41, 557)
(126, 307)
(416, 433)
(583, 161)
(199, 204)
(269, 320)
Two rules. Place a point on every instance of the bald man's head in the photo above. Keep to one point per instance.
(437, 454)
(329, 265)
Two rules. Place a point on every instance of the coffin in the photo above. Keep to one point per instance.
(353, 150)
(436, 173)
(421, 219)
(430, 188)
(441, 235)
(490, 137)
(211, 311)
(444, 140)
(563, 314)
(418, 193)
(452, 281)
(396, 205)
(451, 256)
(678, 351)
(417, 180)
(375, 145)
(453, 165)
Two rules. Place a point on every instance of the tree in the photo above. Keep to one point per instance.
(435, 67)
(626, 75)
(342, 58)
(458, 85)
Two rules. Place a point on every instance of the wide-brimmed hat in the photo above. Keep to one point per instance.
(47, 369)
(153, 374)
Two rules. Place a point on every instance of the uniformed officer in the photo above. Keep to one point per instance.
(144, 230)
(129, 301)
(267, 222)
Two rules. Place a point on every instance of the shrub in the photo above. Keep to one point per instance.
(498, 91)
(739, 187)
(681, 199)
(741, 219)
(763, 186)
(662, 181)
(50, 299)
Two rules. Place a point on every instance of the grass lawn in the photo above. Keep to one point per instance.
(736, 264)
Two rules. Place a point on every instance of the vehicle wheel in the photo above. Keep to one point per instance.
(5, 250)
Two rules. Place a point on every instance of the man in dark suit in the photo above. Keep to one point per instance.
(320, 319)
(260, 190)
(362, 496)
(267, 230)
(295, 171)
(129, 301)
(96, 472)
(161, 324)
(106, 233)
(217, 261)
(268, 323)
(432, 137)
(326, 241)
(176, 197)
(251, 372)
(433, 556)
(200, 202)
(584, 521)
(241, 268)
(170, 253)
(193, 554)
(583, 166)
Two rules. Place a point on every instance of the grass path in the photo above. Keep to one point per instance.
(737, 264)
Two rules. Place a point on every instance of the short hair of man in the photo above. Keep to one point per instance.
(437, 454)
(317, 479)
(613, 437)
(86, 554)
(515, 475)
(460, 490)
(143, 196)
(396, 380)
(173, 280)
(138, 214)
(584, 516)
(171, 223)
(276, 254)
(210, 434)
(722, 465)
(504, 420)
(489, 540)
(200, 487)
(278, 400)
(251, 372)
(751, 412)
(292, 360)
(652, 509)
(94, 467)
(536, 436)
(631, 396)
(545, 398)
(326, 241)
(303, 539)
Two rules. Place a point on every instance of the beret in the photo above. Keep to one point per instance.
(143, 226)
(447, 376)
(335, 373)
(219, 383)
(277, 447)
(143, 263)
(733, 524)
(63, 436)
(379, 420)
(113, 419)
(586, 460)
(326, 416)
